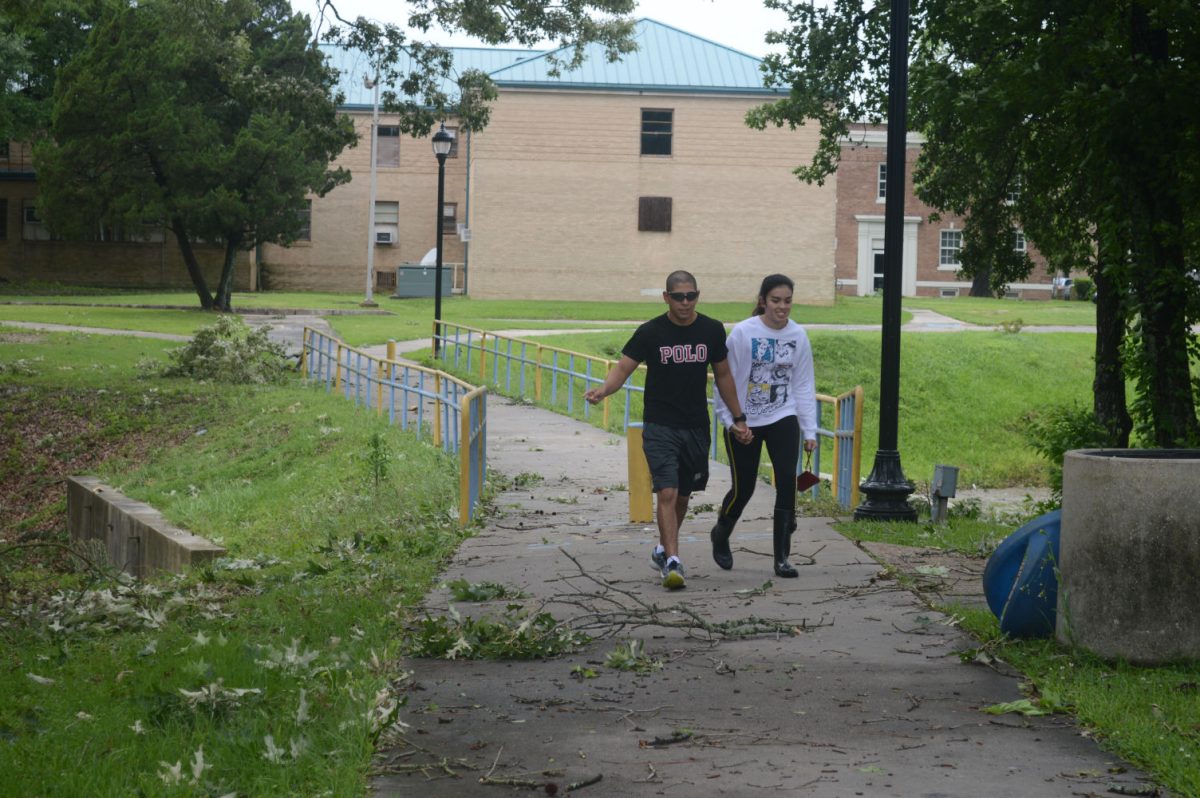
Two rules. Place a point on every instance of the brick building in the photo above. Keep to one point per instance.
(930, 248)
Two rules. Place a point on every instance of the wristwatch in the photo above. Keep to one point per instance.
(738, 419)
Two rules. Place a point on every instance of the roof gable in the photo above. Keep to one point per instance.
(667, 59)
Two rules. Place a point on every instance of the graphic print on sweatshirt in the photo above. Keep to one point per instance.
(771, 362)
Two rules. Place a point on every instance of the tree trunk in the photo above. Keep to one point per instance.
(189, 260)
(1164, 377)
(225, 286)
(1108, 384)
(981, 284)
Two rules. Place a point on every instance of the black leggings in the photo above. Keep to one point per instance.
(783, 444)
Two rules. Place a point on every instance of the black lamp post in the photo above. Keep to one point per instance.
(443, 140)
(886, 488)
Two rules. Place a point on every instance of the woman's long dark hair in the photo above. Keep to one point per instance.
(769, 284)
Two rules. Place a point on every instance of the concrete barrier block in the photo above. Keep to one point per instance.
(135, 536)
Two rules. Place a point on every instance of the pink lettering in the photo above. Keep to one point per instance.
(683, 353)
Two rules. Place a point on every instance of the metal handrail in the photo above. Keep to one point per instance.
(451, 411)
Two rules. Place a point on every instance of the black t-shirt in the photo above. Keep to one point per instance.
(677, 360)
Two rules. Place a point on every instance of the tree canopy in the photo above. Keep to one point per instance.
(217, 118)
(1073, 122)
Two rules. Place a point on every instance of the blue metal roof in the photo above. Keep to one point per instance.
(352, 66)
(666, 59)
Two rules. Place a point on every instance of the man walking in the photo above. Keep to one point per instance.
(677, 348)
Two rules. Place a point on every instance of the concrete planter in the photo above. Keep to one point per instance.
(1129, 579)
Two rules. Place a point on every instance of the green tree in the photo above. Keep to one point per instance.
(36, 36)
(1072, 121)
(216, 117)
(415, 74)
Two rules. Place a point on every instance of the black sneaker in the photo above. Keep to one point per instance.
(673, 575)
(659, 558)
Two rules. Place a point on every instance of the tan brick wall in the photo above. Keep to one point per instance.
(336, 257)
(556, 181)
(116, 264)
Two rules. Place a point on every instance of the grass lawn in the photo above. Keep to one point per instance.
(991, 312)
(270, 674)
(176, 322)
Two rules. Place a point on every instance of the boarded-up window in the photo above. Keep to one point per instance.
(449, 218)
(387, 152)
(657, 126)
(654, 214)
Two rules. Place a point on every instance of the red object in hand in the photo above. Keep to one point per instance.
(806, 478)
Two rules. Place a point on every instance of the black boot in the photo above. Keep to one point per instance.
(785, 523)
(720, 542)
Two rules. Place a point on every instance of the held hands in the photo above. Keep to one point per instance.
(742, 433)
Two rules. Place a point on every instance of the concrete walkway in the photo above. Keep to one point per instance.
(870, 697)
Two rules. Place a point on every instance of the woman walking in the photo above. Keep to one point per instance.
(772, 366)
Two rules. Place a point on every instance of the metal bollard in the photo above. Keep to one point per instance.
(641, 490)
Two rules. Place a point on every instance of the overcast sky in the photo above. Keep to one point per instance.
(740, 24)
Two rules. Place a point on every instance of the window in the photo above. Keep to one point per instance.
(654, 214)
(4, 156)
(387, 213)
(1018, 241)
(32, 228)
(3, 219)
(951, 244)
(881, 182)
(1014, 190)
(449, 218)
(657, 124)
(387, 146)
(453, 131)
(305, 216)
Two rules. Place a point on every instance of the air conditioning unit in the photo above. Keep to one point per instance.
(384, 237)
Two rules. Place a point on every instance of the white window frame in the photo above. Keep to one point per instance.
(948, 253)
(881, 183)
(1014, 191)
(1019, 242)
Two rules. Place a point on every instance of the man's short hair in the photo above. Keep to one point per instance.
(675, 279)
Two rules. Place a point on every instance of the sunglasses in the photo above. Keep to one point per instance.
(683, 296)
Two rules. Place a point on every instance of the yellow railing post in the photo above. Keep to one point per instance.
(304, 347)
(382, 375)
(608, 366)
(857, 461)
(482, 355)
(391, 349)
(437, 409)
(466, 448)
(337, 385)
(641, 503)
(537, 370)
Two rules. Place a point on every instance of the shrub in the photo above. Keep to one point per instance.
(1082, 288)
(230, 351)
(1056, 430)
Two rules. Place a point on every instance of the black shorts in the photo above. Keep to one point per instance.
(678, 458)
